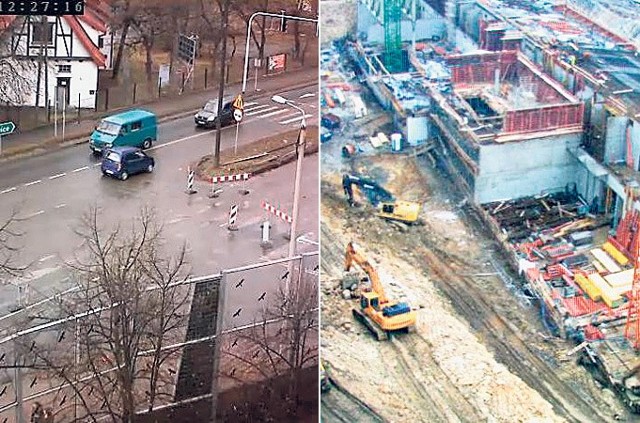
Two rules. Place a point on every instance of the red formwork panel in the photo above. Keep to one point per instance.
(542, 119)
(580, 306)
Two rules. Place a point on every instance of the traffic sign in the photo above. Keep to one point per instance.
(7, 128)
(238, 103)
(237, 114)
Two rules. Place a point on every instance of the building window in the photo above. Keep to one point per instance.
(64, 68)
(100, 42)
(40, 37)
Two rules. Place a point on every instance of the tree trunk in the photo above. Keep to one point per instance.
(148, 64)
(121, 44)
(296, 39)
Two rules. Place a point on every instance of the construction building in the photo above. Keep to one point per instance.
(534, 106)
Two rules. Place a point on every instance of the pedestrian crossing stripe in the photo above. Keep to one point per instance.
(263, 106)
(295, 119)
(277, 112)
(262, 111)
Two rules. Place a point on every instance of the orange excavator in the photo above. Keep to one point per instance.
(380, 315)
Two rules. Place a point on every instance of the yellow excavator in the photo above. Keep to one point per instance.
(380, 315)
(388, 207)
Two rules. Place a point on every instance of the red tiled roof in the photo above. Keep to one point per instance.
(82, 35)
(5, 21)
(94, 21)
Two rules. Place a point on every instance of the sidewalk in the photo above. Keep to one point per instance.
(40, 140)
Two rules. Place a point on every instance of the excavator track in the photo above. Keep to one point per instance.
(379, 334)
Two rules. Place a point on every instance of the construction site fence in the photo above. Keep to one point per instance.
(223, 308)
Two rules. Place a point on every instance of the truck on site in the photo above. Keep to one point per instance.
(385, 203)
(379, 314)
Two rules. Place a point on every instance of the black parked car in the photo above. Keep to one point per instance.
(208, 116)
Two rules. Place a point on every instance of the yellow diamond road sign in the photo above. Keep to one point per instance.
(238, 103)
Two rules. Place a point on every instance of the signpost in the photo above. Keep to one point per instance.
(238, 108)
(6, 128)
(187, 50)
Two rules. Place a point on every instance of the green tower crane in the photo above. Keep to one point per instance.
(393, 35)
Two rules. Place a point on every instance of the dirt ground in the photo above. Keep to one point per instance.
(258, 156)
(480, 352)
(337, 19)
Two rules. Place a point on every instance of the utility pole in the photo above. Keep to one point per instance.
(223, 67)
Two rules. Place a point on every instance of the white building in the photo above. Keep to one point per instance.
(76, 49)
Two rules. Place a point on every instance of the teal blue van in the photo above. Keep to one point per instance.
(134, 128)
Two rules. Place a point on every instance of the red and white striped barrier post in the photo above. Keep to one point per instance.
(233, 217)
(244, 177)
(277, 212)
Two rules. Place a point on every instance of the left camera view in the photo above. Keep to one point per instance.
(158, 211)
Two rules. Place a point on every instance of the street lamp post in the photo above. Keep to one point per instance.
(247, 42)
(300, 145)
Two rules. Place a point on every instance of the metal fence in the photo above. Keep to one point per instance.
(43, 367)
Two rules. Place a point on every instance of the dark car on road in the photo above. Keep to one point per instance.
(330, 121)
(208, 116)
(121, 162)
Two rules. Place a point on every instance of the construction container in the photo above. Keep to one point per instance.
(580, 239)
(609, 295)
(396, 142)
(606, 260)
(624, 278)
(615, 253)
(588, 287)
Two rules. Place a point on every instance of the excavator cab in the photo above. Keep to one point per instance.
(370, 299)
(404, 211)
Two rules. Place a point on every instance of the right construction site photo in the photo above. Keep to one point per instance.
(480, 198)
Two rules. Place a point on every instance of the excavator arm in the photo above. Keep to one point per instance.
(372, 190)
(354, 256)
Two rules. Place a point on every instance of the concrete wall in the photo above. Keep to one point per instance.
(519, 169)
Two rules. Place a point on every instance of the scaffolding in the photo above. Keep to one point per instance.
(393, 36)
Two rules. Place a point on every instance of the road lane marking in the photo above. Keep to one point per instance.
(80, 169)
(59, 175)
(285, 122)
(59, 206)
(251, 103)
(32, 215)
(8, 190)
(33, 183)
(45, 258)
(167, 144)
(307, 95)
(268, 109)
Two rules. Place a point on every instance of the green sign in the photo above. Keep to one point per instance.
(6, 128)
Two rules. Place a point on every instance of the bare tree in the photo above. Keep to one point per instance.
(9, 248)
(134, 306)
(281, 347)
(15, 86)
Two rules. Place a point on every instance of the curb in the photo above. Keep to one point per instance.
(267, 166)
(52, 145)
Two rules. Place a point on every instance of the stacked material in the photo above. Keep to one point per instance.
(615, 253)
(609, 295)
(603, 258)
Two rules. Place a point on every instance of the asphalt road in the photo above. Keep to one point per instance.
(52, 191)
